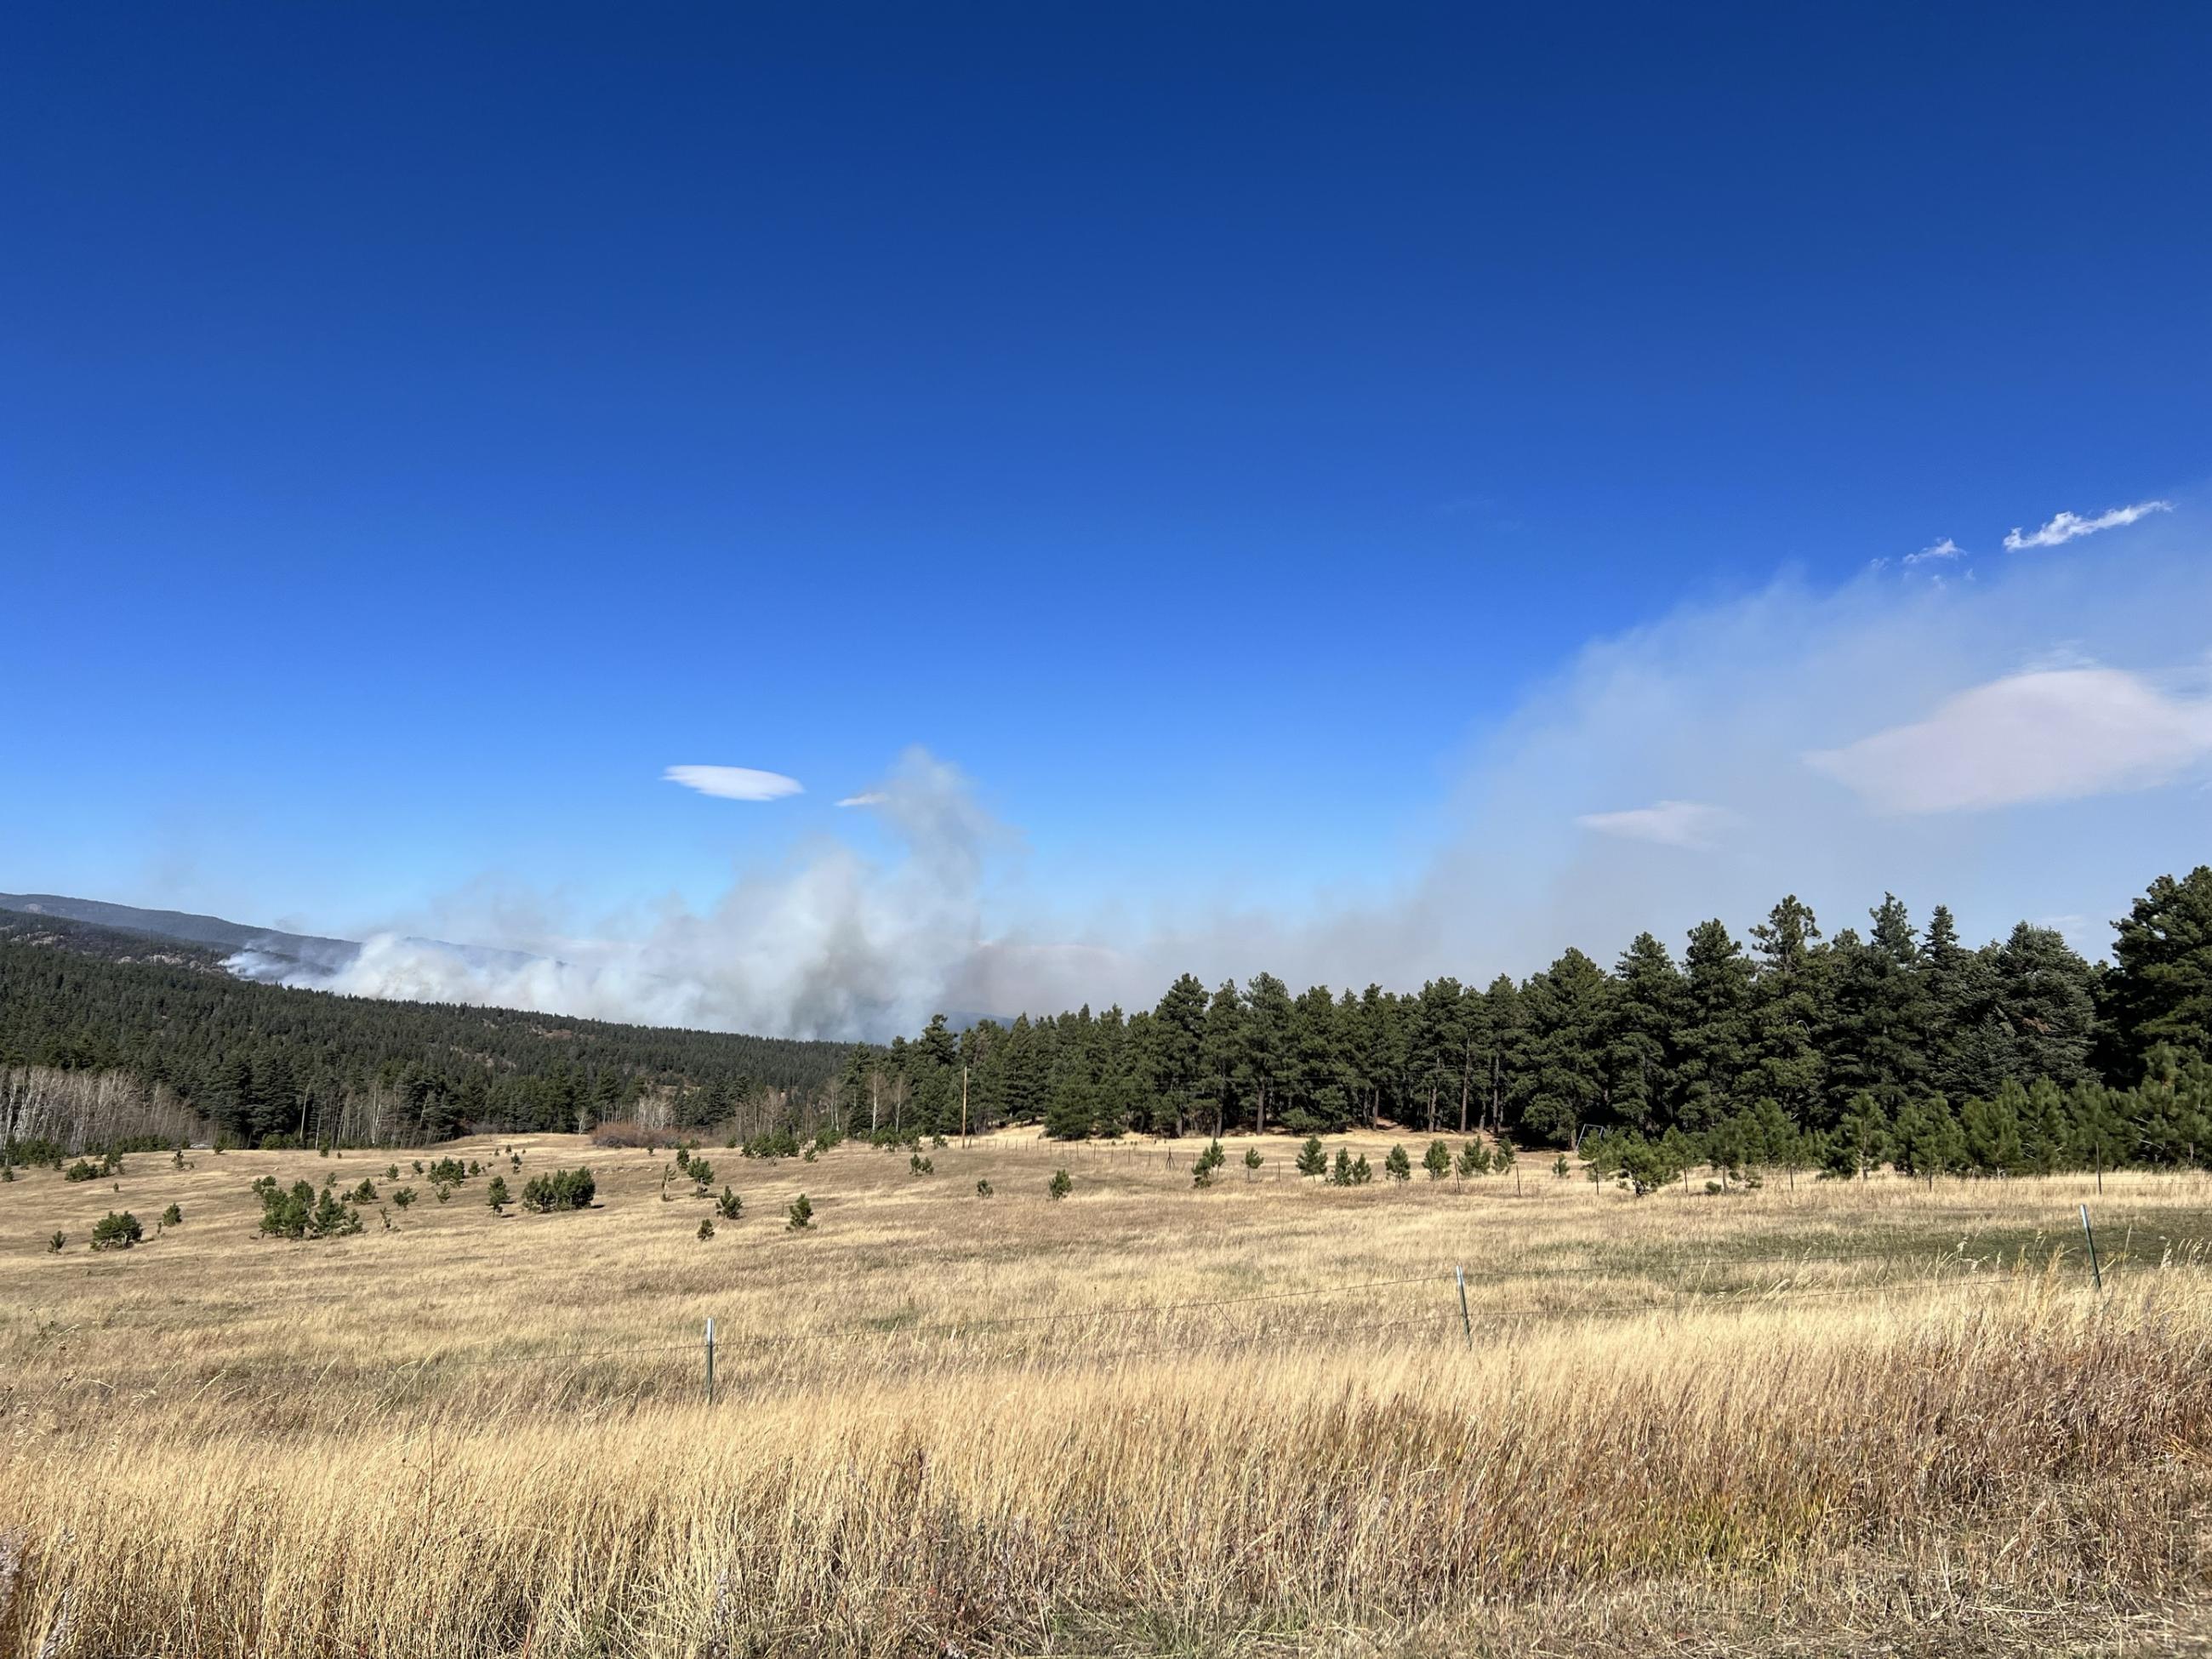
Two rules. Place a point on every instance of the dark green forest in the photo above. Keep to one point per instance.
(1894, 1043)
(264, 1060)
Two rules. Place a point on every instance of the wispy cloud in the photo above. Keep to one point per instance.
(2068, 526)
(2050, 735)
(1669, 822)
(734, 782)
(1945, 548)
(866, 798)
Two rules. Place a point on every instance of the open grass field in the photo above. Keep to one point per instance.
(1876, 1417)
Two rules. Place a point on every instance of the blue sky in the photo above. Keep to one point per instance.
(1222, 434)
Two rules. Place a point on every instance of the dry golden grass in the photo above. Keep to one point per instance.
(1876, 1417)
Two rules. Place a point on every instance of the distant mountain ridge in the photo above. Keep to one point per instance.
(309, 951)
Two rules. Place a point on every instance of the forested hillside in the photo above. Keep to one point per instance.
(261, 1060)
(1889, 1042)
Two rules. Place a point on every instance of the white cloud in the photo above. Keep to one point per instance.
(866, 798)
(1669, 822)
(1945, 548)
(2055, 734)
(734, 782)
(2067, 525)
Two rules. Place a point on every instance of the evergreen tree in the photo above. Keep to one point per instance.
(2161, 989)
(1645, 1016)
(1563, 1084)
(1714, 1042)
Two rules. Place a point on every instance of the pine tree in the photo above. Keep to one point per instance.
(1312, 1161)
(1562, 1086)
(2161, 989)
(1401, 1167)
(1645, 1016)
(1714, 1042)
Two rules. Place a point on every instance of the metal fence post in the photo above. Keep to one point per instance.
(1466, 1324)
(710, 1359)
(2096, 1271)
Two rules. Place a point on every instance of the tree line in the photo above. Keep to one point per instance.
(265, 1062)
(1894, 1042)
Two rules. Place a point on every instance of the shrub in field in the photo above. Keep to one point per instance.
(474, 1168)
(447, 1171)
(1361, 1175)
(1501, 1157)
(623, 1132)
(703, 1176)
(285, 1211)
(403, 1196)
(496, 1196)
(982, 1189)
(172, 1216)
(82, 1171)
(808, 1155)
(1252, 1161)
(706, 1227)
(729, 1205)
(683, 1158)
(55, 1243)
(1312, 1161)
(1201, 1173)
(1473, 1159)
(514, 1161)
(920, 1166)
(364, 1194)
(825, 1139)
(391, 1172)
(777, 1143)
(564, 1189)
(1341, 1173)
(1438, 1160)
(444, 1193)
(802, 1214)
(116, 1232)
(418, 1166)
(1062, 1185)
(332, 1220)
(1401, 1167)
(1559, 1166)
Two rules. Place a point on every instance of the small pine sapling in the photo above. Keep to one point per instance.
(1399, 1166)
(55, 1243)
(1312, 1161)
(1252, 1161)
(1438, 1160)
(172, 1216)
(1474, 1160)
(403, 1196)
(729, 1205)
(706, 1228)
(1361, 1175)
(116, 1232)
(1062, 1185)
(495, 1196)
(802, 1215)
(982, 1189)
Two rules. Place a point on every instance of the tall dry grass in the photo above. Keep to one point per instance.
(949, 1423)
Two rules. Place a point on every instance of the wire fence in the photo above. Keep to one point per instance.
(1069, 1339)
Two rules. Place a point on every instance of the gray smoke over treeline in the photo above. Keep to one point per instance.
(1939, 738)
